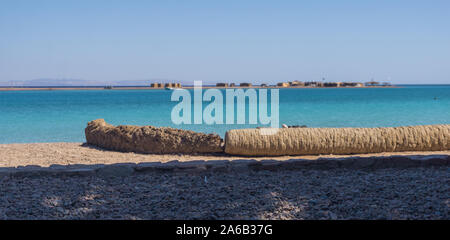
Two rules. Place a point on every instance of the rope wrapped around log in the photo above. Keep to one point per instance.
(314, 141)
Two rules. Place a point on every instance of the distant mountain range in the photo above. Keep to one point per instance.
(44, 82)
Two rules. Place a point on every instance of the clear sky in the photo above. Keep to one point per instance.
(259, 41)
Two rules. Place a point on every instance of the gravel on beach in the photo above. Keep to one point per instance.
(411, 193)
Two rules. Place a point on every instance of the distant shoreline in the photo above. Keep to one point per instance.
(151, 88)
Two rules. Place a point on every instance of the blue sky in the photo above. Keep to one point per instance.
(259, 41)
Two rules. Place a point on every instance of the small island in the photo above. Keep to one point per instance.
(289, 84)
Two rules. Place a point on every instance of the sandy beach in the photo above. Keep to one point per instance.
(387, 193)
(46, 154)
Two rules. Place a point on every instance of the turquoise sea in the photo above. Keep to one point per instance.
(61, 116)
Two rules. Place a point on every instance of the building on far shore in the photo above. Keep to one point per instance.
(245, 85)
(351, 84)
(222, 85)
(313, 84)
(172, 85)
(296, 84)
(232, 85)
(372, 83)
(156, 85)
(332, 84)
(282, 84)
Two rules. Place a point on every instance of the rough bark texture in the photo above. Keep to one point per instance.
(301, 141)
(149, 139)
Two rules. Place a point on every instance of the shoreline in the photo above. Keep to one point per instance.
(151, 88)
(47, 154)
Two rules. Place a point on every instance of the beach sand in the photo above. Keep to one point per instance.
(46, 154)
(336, 193)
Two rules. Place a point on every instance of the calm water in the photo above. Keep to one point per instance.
(61, 116)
